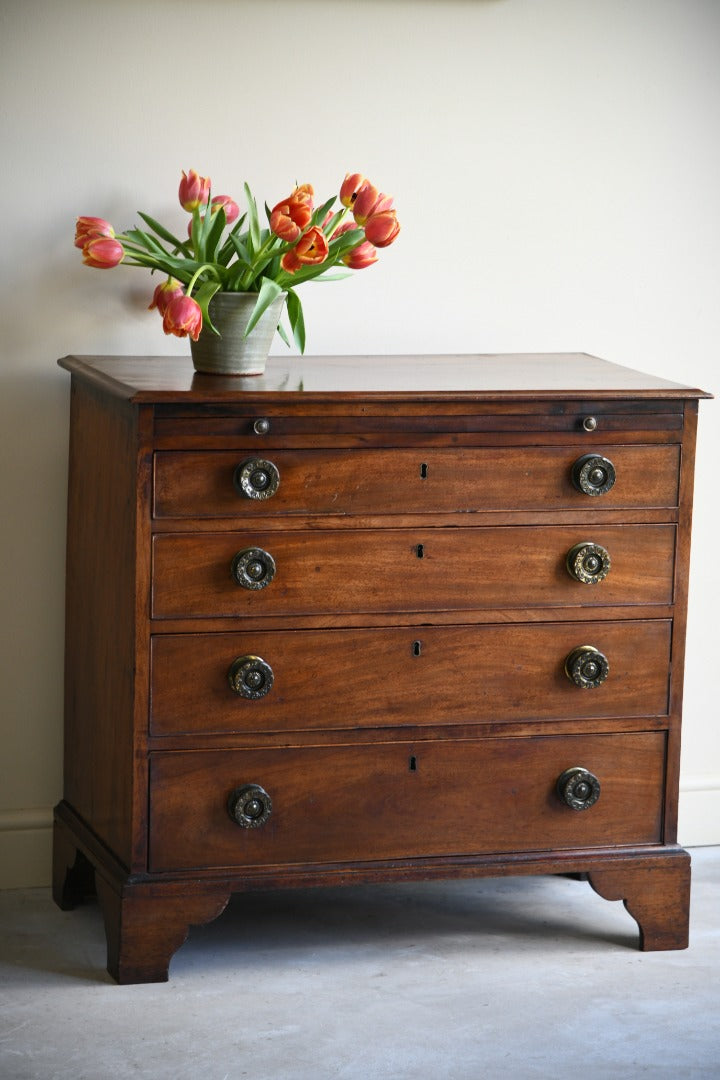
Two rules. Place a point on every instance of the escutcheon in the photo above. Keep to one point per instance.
(593, 474)
(253, 568)
(587, 667)
(249, 806)
(251, 677)
(588, 562)
(257, 478)
(578, 788)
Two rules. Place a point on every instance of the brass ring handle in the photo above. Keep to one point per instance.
(578, 788)
(251, 677)
(256, 478)
(253, 568)
(593, 474)
(587, 667)
(588, 562)
(249, 806)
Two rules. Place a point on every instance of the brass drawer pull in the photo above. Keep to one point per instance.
(587, 667)
(251, 677)
(249, 806)
(593, 474)
(261, 425)
(253, 568)
(578, 788)
(257, 479)
(588, 562)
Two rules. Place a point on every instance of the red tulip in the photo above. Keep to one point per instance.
(382, 228)
(231, 208)
(350, 187)
(311, 248)
(88, 227)
(182, 317)
(164, 293)
(193, 190)
(292, 215)
(103, 252)
(361, 256)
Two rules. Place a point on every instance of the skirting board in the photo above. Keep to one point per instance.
(26, 835)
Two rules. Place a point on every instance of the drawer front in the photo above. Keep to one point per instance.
(400, 800)
(333, 679)
(203, 484)
(387, 570)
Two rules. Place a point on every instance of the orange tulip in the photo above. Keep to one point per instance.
(361, 256)
(182, 317)
(382, 228)
(103, 252)
(164, 293)
(292, 215)
(311, 248)
(88, 227)
(193, 190)
(350, 187)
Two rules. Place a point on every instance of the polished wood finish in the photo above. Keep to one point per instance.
(417, 629)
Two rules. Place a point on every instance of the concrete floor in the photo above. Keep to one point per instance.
(475, 980)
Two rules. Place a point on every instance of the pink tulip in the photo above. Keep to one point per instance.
(103, 252)
(88, 227)
(231, 208)
(361, 256)
(350, 187)
(370, 201)
(311, 248)
(182, 317)
(193, 190)
(164, 293)
(382, 228)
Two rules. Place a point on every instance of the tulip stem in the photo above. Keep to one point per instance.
(201, 270)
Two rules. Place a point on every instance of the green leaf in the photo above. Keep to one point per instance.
(217, 224)
(203, 296)
(161, 231)
(283, 334)
(334, 275)
(253, 223)
(319, 214)
(297, 319)
(269, 291)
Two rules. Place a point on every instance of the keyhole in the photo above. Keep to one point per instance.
(420, 549)
(417, 648)
(413, 763)
(423, 470)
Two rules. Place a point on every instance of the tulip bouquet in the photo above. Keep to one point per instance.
(227, 251)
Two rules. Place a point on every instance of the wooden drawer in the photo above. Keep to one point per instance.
(408, 481)
(387, 570)
(332, 679)
(402, 800)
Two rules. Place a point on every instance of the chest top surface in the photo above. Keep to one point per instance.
(294, 381)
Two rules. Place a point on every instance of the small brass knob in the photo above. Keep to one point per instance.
(251, 677)
(578, 788)
(587, 667)
(590, 423)
(261, 425)
(256, 479)
(593, 474)
(253, 568)
(249, 806)
(588, 562)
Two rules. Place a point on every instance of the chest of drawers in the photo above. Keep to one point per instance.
(371, 619)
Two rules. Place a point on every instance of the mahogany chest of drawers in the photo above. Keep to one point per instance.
(371, 619)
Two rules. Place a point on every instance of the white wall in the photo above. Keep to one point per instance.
(556, 167)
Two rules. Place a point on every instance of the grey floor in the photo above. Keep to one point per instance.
(475, 980)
